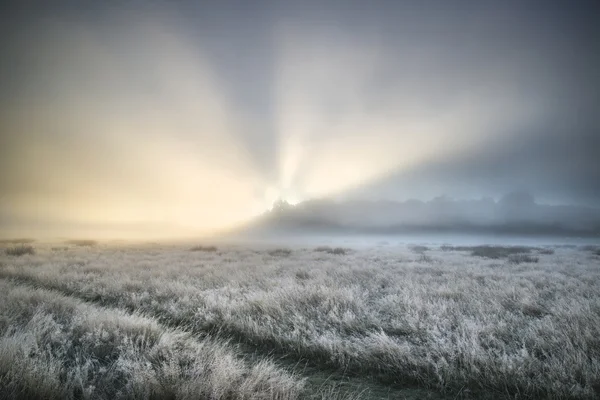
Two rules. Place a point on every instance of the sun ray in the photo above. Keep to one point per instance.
(336, 133)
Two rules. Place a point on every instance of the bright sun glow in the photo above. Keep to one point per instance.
(273, 194)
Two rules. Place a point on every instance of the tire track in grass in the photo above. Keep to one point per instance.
(322, 381)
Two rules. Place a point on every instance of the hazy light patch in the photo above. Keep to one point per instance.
(351, 111)
(135, 130)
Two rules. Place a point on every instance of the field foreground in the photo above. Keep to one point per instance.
(96, 321)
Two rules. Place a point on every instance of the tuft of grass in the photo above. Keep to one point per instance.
(323, 249)
(60, 248)
(20, 250)
(424, 258)
(595, 250)
(210, 249)
(522, 258)
(496, 252)
(419, 249)
(330, 250)
(340, 250)
(493, 252)
(302, 275)
(546, 250)
(534, 310)
(280, 252)
(82, 242)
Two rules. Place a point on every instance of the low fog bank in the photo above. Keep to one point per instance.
(397, 241)
(515, 215)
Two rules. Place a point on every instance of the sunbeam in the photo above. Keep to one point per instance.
(341, 126)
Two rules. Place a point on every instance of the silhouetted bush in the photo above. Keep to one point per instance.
(204, 248)
(19, 250)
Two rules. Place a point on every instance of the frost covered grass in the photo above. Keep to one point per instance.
(20, 250)
(56, 347)
(426, 317)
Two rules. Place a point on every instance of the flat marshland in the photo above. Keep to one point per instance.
(95, 321)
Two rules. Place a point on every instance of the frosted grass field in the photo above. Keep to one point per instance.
(385, 321)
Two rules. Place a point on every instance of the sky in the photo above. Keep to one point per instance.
(183, 117)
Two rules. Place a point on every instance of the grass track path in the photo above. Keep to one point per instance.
(319, 379)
